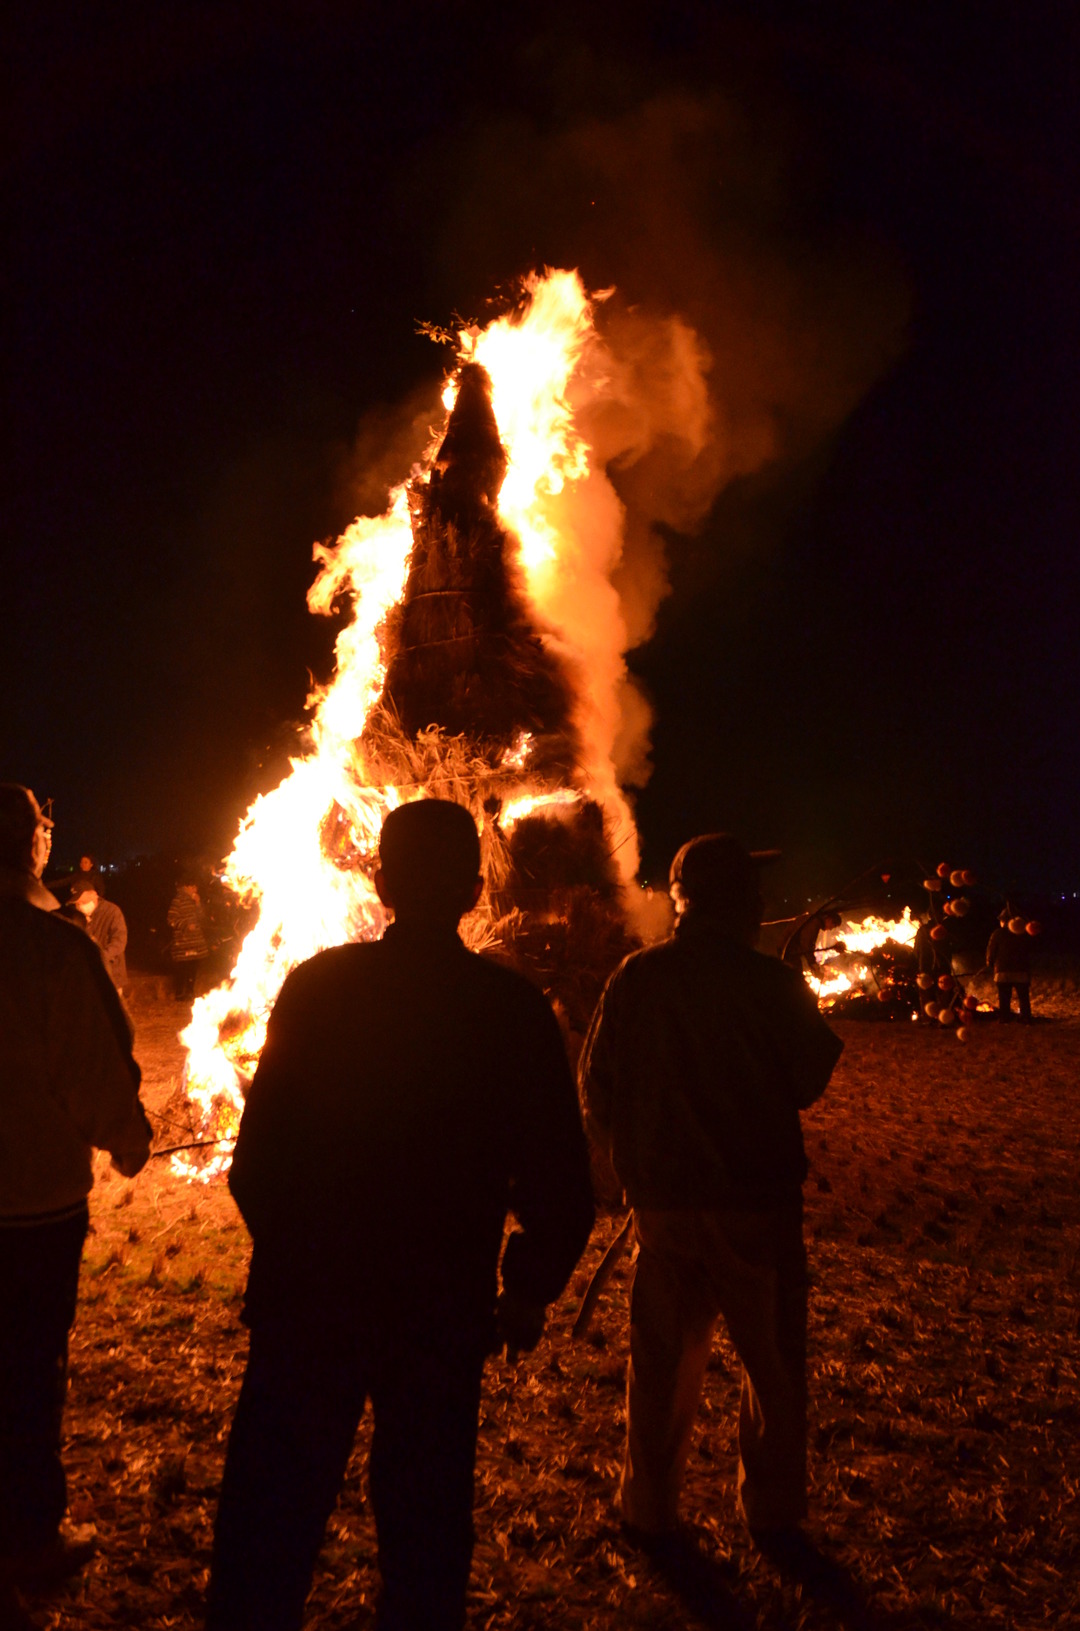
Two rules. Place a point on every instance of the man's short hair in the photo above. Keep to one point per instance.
(20, 817)
(716, 872)
(429, 853)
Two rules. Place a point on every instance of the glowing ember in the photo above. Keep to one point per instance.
(305, 852)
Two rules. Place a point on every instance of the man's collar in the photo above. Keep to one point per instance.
(693, 924)
(418, 933)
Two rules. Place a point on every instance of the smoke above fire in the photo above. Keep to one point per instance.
(737, 338)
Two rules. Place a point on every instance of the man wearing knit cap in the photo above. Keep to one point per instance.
(699, 1058)
(68, 1085)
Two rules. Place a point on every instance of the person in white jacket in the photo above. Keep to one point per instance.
(68, 1084)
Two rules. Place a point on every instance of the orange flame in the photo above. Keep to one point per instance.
(867, 935)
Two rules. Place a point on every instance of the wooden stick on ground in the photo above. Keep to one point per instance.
(601, 1276)
(199, 1144)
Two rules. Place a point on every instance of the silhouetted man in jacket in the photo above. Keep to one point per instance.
(106, 927)
(699, 1058)
(68, 1085)
(409, 1094)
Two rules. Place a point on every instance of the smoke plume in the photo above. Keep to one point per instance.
(735, 340)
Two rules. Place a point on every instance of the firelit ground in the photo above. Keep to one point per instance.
(943, 1219)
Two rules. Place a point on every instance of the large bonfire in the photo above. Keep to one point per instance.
(482, 661)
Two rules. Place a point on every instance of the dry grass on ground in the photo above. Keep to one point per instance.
(944, 1230)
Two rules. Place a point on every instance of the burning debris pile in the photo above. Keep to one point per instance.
(482, 662)
(859, 957)
(916, 967)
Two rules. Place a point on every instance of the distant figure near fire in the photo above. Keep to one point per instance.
(188, 948)
(105, 925)
(1008, 957)
(409, 1093)
(700, 1057)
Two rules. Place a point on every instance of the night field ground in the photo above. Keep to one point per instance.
(944, 1229)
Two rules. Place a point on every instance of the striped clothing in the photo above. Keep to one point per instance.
(188, 924)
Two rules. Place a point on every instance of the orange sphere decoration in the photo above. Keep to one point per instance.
(884, 995)
(938, 932)
(1034, 927)
(946, 1016)
(962, 1033)
(960, 907)
(956, 879)
(925, 982)
(971, 1003)
(1017, 925)
(943, 870)
(932, 884)
(931, 1010)
(945, 982)
(969, 879)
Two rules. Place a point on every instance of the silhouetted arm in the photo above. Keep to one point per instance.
(598, 1067)
(87, 1024)
(597, 1080)
(551, 1194)
(808, 1047)
(114, 937)
(262, 1177)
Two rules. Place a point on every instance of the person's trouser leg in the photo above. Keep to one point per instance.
(672, 1314)
(1023, 1000)
(762, 1290)
(426, 1408)
(751, 1267)
(288, 1450)
(1004, 991)
(39, 1283)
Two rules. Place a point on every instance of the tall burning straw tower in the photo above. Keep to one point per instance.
(482, 662)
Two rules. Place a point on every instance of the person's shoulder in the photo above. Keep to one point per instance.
(773, 974)
(65, 946)
(502, 982)
(643, 967)
(643, 959)
(334, 963)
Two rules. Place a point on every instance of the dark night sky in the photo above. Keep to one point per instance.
(227, 220)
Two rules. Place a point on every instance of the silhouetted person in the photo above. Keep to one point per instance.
(800, 947)
(189, 947)
(68, 1083)
(409, 1093)
(699, 1058)
(1008, 957)
(105, 926)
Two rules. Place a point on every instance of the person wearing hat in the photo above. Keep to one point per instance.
(1008, 957)
(105, 926)
(68, 1085)
(410, 1092)
(698, 1060)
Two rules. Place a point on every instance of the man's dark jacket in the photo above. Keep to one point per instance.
(698, 1060)
(409, 1093)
